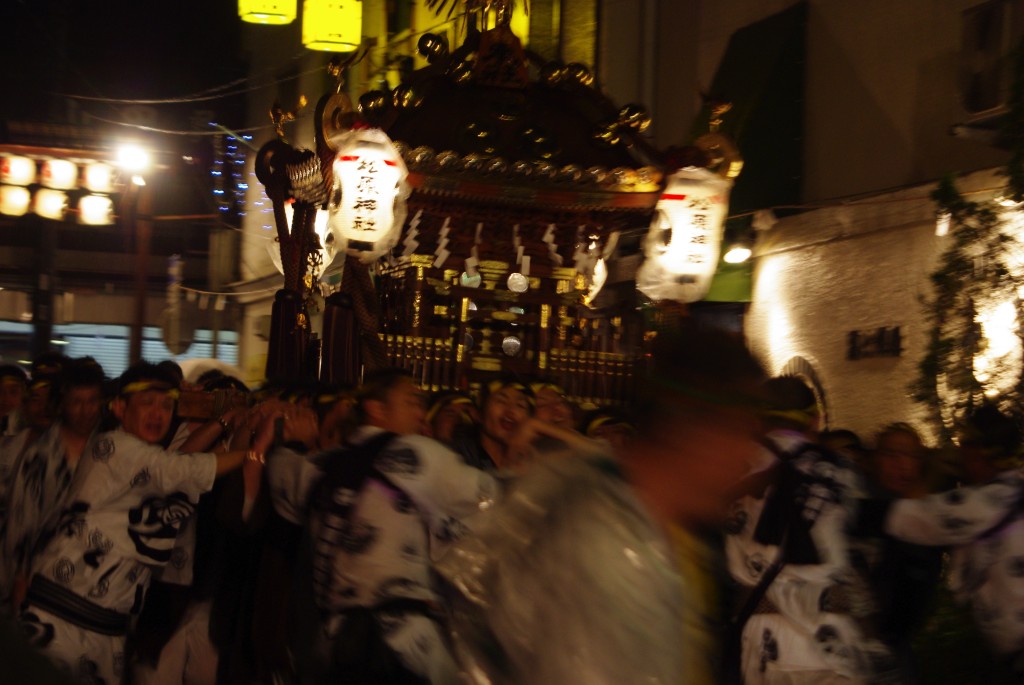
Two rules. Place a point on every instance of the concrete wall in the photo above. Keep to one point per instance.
(857, 266)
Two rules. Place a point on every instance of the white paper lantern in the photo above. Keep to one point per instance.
(59, 174)
(14, 200)
(367, 207)
(95, 210)
(49, 203)
(17, 170)
(682, 245)
(99, 177)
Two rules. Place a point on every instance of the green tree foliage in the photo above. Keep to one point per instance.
(974, 269)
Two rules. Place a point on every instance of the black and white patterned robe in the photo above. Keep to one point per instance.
(39, 488)
(986, 522)
(126, 507)
(12, 448)
(393, 534)
(798, 638)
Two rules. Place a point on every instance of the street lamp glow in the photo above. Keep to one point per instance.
(737, 254)
(132, 158)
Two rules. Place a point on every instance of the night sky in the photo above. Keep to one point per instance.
(113, 49)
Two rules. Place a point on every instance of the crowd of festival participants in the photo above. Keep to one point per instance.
(711, 532)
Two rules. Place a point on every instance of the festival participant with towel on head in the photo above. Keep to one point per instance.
(43, 476)
(380, 510)
(13, 384)
(449, 411)
(505, 405)
(125, 509)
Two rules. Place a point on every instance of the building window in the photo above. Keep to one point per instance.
(108, 344)
(985, 55)
(399, 16)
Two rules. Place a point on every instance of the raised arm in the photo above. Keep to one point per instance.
(955, 517)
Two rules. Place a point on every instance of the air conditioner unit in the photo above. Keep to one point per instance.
(990, 34)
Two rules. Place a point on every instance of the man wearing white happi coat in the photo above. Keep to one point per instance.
(37, 416)
(793, 635)
(985, 523)
(126, 506)
(43, 475)
(13, 386)
(791, 538)
(402, 518)
(813, 623)
(987, 568)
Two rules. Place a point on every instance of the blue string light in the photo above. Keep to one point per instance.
(229, 184)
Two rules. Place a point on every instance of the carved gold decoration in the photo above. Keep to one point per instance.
(501, 8)
(279, 116)
(481, 363)
(724, 158)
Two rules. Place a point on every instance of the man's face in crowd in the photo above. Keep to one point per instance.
(504, 411)
(616, 435)
(12, 393)
(80, 409)
(899, 459)
(146, 414)
(38, 407)
(449, 417)
(554, 408)
(403, 410)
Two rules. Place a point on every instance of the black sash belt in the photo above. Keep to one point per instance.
(59, 601)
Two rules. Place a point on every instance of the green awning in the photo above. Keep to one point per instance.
(732, 283)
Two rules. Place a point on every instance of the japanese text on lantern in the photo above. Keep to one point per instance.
(693, 221)
(365, 206)
(698, 252)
